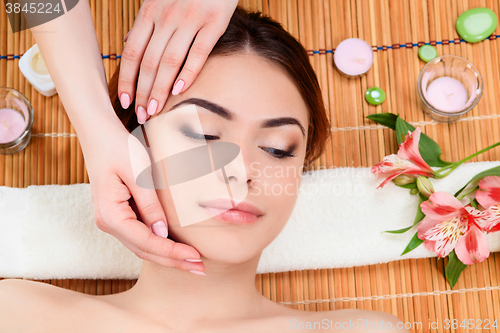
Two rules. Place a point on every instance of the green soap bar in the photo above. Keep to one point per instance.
(375, 96)
(476, 24)
(427, 53)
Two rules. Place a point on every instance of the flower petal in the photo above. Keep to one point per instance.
(472, 246)
(492, 222)
(442, 206)
(425, 225)
(391, 163)
(389, 178)
(495, 227)
(430, 245)
(489, 193)
(409, 150)
(482, 219)
(444, 247)
(489, 182)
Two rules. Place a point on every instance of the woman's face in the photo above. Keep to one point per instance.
(266, 117)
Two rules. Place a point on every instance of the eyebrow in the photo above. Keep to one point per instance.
(226, 114)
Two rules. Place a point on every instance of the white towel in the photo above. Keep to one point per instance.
(48, 232)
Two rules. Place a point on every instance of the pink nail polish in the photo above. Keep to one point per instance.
(193, 260)
(160, 229)
(198, 272)
(126, 36)
(178, 87)
(153, 105)
(141, 115)
(125, 100)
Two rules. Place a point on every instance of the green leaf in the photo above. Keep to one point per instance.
(420, 216)
(399, 231)
(489, 172)
(428, 148)
(474, 203)
(454, 268)
(413, 244)
(402, 128)
(387, 119)
(408, 186)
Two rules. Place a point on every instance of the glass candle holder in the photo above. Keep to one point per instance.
(16, 121)
(449, 86)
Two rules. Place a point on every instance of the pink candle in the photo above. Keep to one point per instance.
(353, 57)
(447, 94)
(12, 125)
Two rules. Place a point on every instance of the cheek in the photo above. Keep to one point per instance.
(277, 187)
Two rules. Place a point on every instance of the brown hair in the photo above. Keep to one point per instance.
(251, 31)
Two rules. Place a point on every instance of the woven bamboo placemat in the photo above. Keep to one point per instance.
(413, 290)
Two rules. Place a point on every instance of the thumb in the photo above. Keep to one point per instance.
(150, 209)
(146, 200)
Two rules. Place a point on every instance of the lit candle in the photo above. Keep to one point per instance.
(353, 57)
(447, 94)
(12, 125)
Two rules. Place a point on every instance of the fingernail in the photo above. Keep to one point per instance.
(126, 36)
(160, 229)
(178, 87)
(193, 260)
(141, 115)
(198, 272)
(153, 104)
(125, 100)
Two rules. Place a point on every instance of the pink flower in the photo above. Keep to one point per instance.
(488, 196)
(407, 161)
(448, 225)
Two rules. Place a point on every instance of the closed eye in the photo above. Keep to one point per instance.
(199, 137)
(277, 153)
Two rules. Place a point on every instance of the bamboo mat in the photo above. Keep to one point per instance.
(413, 290)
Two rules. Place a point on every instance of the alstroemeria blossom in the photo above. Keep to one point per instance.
(488, 196)
(407, 161)
(448, 225)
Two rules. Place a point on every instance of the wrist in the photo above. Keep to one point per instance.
(99, 130)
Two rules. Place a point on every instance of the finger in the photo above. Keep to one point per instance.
(148, 205)
(174, 263)
(203, 44)
(131, 58)
(138, 237)
(170, 63)
(149, 69)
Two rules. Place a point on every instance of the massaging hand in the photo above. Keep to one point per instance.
(159, 42)
(113, 185)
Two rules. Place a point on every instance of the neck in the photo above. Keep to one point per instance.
(226, 292)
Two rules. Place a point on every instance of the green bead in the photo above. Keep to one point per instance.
(476, 24)
(427, 53)
(375, 96)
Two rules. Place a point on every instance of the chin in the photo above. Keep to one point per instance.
(225, 244)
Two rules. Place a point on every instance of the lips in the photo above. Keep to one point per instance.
(243, 213)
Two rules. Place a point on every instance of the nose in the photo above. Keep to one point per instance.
(233, 171)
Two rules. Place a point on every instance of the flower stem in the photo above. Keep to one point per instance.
(449, 168)
(468, 192)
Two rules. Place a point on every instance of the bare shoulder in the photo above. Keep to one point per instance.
(35, 307)
(30, 306)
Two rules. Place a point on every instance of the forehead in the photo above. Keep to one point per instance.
(248, 85)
